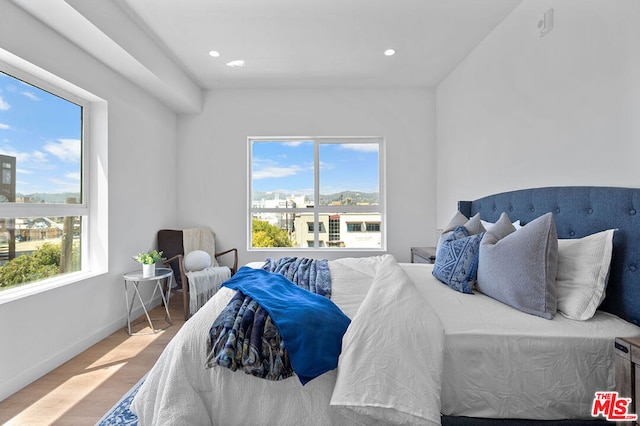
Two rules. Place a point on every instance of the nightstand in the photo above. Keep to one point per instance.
(627, 367)
(423, 254)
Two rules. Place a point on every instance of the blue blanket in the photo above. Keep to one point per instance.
(310, 325)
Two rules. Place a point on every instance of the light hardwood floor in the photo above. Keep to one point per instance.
(83, 389)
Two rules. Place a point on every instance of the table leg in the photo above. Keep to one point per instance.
(129, 305)
(165, 299)
(144, 308)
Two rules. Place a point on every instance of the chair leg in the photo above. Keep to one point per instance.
(185, 299)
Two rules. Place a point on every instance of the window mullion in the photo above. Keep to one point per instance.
(316, 193)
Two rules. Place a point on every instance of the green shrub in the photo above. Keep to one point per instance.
(42, 263)
(266, 235)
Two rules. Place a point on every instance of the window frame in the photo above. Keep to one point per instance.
(94, 185)
(317, 209)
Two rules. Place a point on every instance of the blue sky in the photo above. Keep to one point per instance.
(288, 167)
(43, 132)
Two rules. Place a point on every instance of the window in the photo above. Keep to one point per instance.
(354, 227)
(316, 192)
(44, 213)
(310, 227)
(334, 229)
(373, 227)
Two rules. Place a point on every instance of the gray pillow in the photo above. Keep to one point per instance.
(473, 226)
(519, 268)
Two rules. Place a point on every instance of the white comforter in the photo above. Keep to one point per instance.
(379, 377)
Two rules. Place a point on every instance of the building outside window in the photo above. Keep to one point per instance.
(43, 211)
(317, 191)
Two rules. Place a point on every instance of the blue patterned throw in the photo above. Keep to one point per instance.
(311, 274)
(120, 414)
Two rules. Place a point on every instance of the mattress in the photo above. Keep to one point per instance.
(500, 362)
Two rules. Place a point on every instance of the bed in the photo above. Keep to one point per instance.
(430, 355)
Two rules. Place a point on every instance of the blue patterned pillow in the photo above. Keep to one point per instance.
(457, 260)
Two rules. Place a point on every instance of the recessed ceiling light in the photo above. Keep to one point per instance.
(236, 63)
(389, 52)
(214, 53)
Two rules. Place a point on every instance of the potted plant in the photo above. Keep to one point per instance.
(148, 261)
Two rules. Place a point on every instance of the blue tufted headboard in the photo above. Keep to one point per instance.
(579, 211)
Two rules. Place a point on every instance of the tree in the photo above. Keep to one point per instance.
(263, 234)
(43, 263)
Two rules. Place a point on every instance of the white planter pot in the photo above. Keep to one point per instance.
(148, 270)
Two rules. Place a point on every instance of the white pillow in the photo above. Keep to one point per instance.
(582, 274)
(197, 260)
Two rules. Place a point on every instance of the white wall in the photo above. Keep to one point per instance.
(39, 332)
(523, 111)
(212, 162)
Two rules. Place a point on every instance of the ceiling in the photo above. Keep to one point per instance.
(284, 43)
(320, 43)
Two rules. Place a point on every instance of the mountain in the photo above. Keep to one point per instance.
(354, 196)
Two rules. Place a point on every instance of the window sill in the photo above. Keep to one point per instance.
(7, 296)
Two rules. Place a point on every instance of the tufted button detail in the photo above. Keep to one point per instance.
(632, 212)
(532, 209)
(511, 208)
(558, 210)
(572, 233)
(632, 268)
(590, 211)
(495, 208)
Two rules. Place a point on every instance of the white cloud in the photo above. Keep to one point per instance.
(38, 157)
(26, 158)
(64, 149)
(326, 166)
(361, 147)
(31, 96)
(4, 105)
(4, 126)
(294, 144)
(63, 185)
(276, 172)
(73, 176)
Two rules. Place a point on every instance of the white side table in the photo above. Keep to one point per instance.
(135, 278)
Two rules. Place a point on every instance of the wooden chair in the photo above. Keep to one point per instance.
(170, 242)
